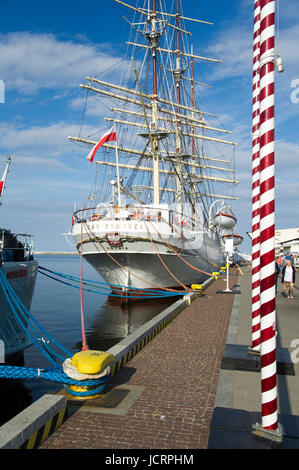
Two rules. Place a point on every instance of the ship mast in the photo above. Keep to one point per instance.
(4, 177)
(179, 119)
(193, 143)
(177, 74)
(155, 140)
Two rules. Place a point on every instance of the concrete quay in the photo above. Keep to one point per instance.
(166, 392)
(184, 393)
(187, 381)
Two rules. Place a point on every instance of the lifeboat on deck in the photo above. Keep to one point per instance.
(237, 238)
(225, 218)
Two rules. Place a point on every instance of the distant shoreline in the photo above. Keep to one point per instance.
(56, 253)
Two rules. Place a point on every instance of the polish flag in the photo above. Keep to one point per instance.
(109, 136)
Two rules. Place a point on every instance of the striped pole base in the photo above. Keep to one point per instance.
(276, 436)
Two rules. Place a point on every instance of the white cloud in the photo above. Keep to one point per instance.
(95, 106)
(51, 140)
(37, 161)
(30, 62)
(235, 50)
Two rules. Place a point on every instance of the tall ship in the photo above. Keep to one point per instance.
(150, 221)
(20, 269)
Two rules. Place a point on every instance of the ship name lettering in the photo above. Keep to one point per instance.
(17, 274)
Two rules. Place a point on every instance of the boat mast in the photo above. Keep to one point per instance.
(153, 111)
(3, 179)
(193, 106)
(177, 74)
(193, 143)
(155, 140)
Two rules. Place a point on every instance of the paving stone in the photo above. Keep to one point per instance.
(178, 371)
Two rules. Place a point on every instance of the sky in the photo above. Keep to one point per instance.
(48, 48)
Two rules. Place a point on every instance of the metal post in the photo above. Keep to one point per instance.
(255, 293)
(117, 171)
(227, 273)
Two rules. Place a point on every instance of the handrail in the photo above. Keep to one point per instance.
(127, 211)
(16, 246)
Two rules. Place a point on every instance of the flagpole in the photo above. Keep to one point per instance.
(117, 169)
(3, 179)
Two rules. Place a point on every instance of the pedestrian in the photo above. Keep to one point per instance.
(290, 257)
(288, 279)
(277, 272)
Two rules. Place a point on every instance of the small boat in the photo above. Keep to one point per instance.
(20, 269)
(225, 218)
(237, 238)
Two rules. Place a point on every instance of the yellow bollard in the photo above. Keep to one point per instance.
(196, 286)
(80, 388)
(87, 365)
(91, 361)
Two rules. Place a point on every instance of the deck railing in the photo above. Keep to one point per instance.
(16, 247)
(138, 213)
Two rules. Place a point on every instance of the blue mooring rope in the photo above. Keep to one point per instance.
(54, 373)
(148, 294)
(15, 303)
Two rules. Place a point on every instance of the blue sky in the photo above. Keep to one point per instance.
(47, 49)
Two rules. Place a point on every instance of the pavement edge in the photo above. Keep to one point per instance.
(35, 424)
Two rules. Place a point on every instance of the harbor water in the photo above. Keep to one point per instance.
(57, 308)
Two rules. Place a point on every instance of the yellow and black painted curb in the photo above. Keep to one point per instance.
(32, 426)
(38, 437)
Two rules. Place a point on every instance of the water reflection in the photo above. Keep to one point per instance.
(14, 395)
(111, 323)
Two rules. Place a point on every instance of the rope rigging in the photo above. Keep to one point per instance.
(88, 230)
(173, 250)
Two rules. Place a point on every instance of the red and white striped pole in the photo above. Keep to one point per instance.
(267, 219)
(255, 288)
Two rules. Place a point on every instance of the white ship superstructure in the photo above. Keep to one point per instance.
(149, 222)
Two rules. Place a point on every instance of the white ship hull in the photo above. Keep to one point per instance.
(146, 271)
(22, 277)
